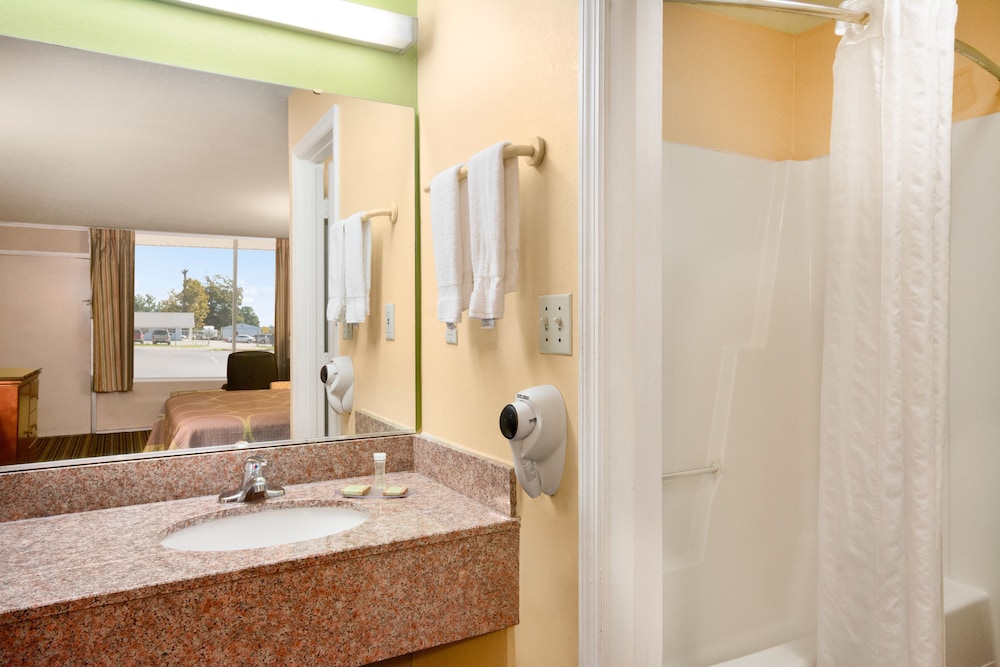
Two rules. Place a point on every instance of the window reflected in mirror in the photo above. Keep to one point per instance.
(185, 301)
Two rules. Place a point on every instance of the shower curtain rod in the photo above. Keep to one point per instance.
(837, 14)
(822, 11)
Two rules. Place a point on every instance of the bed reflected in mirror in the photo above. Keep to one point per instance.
(197, 165)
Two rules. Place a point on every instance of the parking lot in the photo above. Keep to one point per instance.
(187, 358)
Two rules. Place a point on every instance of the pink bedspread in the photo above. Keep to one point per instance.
(220, 417)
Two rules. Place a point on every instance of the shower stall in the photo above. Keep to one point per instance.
(745, 267)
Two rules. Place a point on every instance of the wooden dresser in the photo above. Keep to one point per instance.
(18, 413)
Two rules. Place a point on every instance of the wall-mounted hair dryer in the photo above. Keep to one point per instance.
(338, 376)
(535, 426)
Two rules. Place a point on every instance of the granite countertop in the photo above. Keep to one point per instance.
(63, 563)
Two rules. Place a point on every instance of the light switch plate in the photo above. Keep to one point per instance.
(555, 324)
(390, 321)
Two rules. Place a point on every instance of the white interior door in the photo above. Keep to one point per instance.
(307, 299)
(46, 309)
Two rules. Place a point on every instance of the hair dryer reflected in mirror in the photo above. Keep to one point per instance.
(338, 377)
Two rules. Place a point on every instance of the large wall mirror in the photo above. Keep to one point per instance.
(198, 165)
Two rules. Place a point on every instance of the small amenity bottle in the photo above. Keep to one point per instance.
(379, 483)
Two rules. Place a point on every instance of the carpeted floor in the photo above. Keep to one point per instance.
(60, 447)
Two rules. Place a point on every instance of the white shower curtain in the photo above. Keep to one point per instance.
(884, 393)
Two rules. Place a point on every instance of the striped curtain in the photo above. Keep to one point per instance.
(112, 286)
(282, 340)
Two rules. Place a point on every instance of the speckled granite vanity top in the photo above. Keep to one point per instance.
(68, 562)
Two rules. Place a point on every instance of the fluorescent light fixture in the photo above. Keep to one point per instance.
(345, 21)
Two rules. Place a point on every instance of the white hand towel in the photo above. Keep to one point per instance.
(357, 267)
(450, 234)
(336, 289)
(494, 231)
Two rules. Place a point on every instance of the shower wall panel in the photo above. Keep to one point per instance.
(973, 490)
(743, 284)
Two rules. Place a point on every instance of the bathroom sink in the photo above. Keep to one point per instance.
(269, 527)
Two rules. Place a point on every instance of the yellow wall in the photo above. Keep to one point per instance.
(813, 96)
(727, 85)
(489, 72)
(976, 92)
(738, 87)
(376, 153)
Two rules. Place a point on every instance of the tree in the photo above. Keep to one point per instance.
(145, 303)
(247, 314)
(220, 303)
(192, 299)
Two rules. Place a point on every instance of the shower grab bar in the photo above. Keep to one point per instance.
(691, 472)
(837, 14)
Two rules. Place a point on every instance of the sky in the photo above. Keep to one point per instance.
(158, 270)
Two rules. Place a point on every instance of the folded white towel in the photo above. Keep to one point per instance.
(450, 233)
(494, 231)
(357, 268)
(336, 289)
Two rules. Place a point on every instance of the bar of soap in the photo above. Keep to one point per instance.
(356, 489)
(394, 491)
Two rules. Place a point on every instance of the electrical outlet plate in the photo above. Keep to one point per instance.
(555, 324)
(390, 321)
(346, 331)
(451, 334)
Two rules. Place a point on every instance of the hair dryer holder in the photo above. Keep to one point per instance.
(338, 377)
(535, 426)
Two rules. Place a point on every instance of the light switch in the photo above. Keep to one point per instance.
(555, 324)
(390, 321)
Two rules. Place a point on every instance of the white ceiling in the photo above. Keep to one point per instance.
(93, 140)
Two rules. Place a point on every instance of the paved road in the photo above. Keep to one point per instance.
(180, 360)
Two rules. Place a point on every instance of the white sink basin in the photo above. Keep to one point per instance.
(267, 528)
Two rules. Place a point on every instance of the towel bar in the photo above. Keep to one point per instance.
(392, 213)
(534, 150)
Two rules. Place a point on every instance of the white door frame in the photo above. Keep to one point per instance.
(620, 259)
(307, 310)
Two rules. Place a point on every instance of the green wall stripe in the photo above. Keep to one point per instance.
(165, 33)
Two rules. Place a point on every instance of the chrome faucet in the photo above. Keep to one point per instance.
(254, 485)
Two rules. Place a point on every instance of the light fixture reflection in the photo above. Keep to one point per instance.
(345, 21)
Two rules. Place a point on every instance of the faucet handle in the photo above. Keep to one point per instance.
(253, 467)
(255, 463)
(253, 482)
(253, 477)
